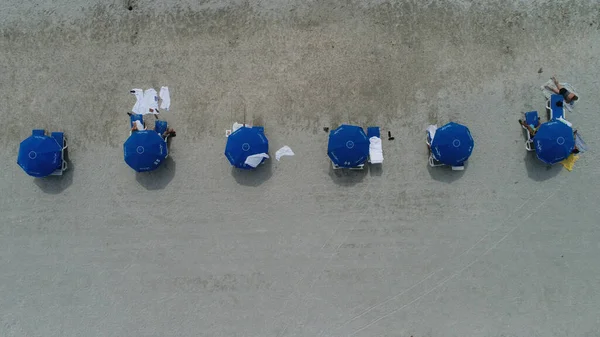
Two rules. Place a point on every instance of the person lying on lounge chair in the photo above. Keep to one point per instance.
(560, 90)
(531, 128)
(137, 126)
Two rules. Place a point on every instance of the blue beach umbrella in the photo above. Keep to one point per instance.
(245, 142)
(553, 141)
(452, 144)
(144, 150)
(39, 155)
(348, 146)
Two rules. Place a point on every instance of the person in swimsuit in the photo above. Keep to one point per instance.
(560, 90)
(531, 128)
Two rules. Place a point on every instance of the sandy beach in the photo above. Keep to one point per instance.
(507, 247)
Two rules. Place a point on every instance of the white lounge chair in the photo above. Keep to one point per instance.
(375, 145)
(531, 118)
(62, 141)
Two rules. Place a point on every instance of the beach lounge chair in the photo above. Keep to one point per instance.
(161, 127)
(62, 141)
(38, 132)
(135, 117)
(581, 145)
(434, 162)
(430, 134)
(555, 111)
(357, 168)
(532, 119)
(375, 146)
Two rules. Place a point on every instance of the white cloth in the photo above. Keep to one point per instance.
(145, 100)
(375, 150)
(431, 129)
(140, 126)
(139, 98)
(165, 97)
(284, 151)
(255, 159)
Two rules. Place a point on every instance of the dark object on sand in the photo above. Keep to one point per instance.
(540, 71)
(326, 129)
(390, 135)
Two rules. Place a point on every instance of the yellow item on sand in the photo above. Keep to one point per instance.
(570, 162)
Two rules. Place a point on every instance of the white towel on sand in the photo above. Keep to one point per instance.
(255, 159)
(284, 151)
(145, 100)
(165, 97)
(139, 98)
(375, 150)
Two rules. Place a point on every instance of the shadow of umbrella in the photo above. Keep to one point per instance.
(538, 170)
(159, 178)
(347, 177)
(376, 170)
(57, 184)
(445, 174)
(254, 177)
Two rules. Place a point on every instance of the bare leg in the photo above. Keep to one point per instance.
(528, 127)
(558, 86)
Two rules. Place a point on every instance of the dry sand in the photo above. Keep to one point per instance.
(509, 247)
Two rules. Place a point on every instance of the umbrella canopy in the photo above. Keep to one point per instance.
(452, 144)
(245, 142)
(39, 156)
(145, 150)
(348, 146)
(553, 141)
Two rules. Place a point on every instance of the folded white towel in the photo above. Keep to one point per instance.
(255, 159)
(284, 151)
(375, 150)
(166, 98)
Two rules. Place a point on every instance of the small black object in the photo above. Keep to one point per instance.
(130, 8)
(129, 113)
(326, 129)
(390, 135)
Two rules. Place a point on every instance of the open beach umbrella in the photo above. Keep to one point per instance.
(348, 146)
(452, 144)
(39, 155)
(553, 141)
(145, 150)
(245, 142)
